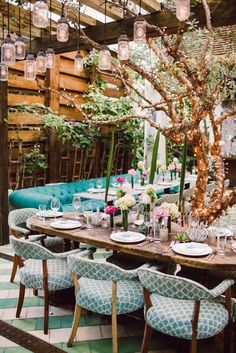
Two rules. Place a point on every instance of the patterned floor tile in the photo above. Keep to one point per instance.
(83, 347)
(25, 324)
(6, 343)
(106, 331)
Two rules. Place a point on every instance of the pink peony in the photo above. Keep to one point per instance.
(132, 172)
(110, 210)
(120, 180)
(161, 213)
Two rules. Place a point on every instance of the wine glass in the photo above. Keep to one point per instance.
(87, 213)
(99, 184)
(42, 212)
(133, 215)
(76, 204)
(55, 206)
(113, 182)
(148, 223)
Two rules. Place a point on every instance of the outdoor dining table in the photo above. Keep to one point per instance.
(100, 237)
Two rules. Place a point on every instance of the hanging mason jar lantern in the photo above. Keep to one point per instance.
(183, 9)
(20, 48)
(41, 62)
(123, 47)
(62, 29)
(104, 59)
(30, 67)
(50, 58)
(139, 30)
(79, 62)
(40, 14)
(3, 72)
(8, 51)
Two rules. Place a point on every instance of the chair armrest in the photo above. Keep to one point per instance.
(82, 253)
(36, 237)
(20, 230)
(221, 288)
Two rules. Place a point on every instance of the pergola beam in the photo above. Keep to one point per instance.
(224, 15)
(113, 11)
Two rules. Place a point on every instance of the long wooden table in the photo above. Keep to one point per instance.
(151, 251)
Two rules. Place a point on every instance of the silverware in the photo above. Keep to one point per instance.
(211, 255)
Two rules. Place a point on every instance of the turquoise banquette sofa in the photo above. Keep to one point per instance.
(33, 197)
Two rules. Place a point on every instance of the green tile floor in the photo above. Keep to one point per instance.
(94, 333)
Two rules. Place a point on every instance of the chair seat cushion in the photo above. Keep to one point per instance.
(31, 275)
(95, 295)
(173, 317)
(54, 244)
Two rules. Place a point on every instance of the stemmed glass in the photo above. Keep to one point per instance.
(133, 214)
(87, 213)
(76, 204)
(99, 184)
(55, 206)
(113, 182)
(148, 223)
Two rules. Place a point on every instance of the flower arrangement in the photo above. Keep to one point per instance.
(142, 169)
(172, 208)
(110, 210)
(123, 190)
(132, 173)
(163, 168)
(120, 180)
(161, 214)
(125, 202)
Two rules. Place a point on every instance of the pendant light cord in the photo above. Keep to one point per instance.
(8, 17)
(50, 23)
(140, 7)
(30, 26)
(19, 27)
(41, 38)
(2, 27)
(78, 44)
(105, 28)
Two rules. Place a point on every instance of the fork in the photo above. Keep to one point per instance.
(211, 255)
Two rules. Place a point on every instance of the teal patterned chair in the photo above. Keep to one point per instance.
(17, 224)
(105, 289)
(42, 269)
(182, 308)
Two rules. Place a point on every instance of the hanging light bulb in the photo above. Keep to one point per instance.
(62, 29)
(8, 51)
(50, 58)
(123, 47)
(139, 30)
(20, 48)
(41, 61)
(30, 67)
(40, 14)
(79, 62)
(104, 59)
(3, 72)
(183, 9)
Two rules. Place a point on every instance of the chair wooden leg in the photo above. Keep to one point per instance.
(227, 338)
(194, 345)
(14, 269)
(75, 325)
(20, 300)
(234, 336)
(46, 310)
(35, 292)
(114, 318)
(146, 338)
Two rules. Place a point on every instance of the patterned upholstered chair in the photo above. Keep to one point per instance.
(183, 308)
(41, 269)
(17, 224)
(171, 198)
(105, 289)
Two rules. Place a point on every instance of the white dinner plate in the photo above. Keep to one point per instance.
(165, 183)
(112, 192)
(49, 214)
(138, 222)
(65, 224)
(192, 249)
(96, 191)
(139, 187)
(127, 237)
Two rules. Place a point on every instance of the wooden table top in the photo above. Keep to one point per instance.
(100, 237)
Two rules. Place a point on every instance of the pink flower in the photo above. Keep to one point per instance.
(144, 175)
(110, 210)
(120, 180)
(132, 172)
(161, 213)
(146, 199)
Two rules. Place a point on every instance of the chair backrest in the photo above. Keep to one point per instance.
(169, 198)
(172, 286)
(188, 193)
(29, 250)
(210, 186)
(20, 216)
(96, 270)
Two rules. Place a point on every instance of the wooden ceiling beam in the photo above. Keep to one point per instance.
(113, 11)
(149, 5)
(224, 15)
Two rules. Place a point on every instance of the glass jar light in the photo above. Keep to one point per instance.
(8, 51)
(3, 72)
(123, 47)
(79, 62)
(62, 29)
(20, 48)
(40, 14)
(30, 67)
(50, 58)
(104, 59)
(41, 61)
(139, 30)
(183, 9)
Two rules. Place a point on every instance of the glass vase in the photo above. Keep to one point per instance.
(111, 221)
(125, 220)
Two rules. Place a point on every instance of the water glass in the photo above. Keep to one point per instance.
(133, 216)
(99, 184)
(113, 182)
(76, 204)
(91, 186)
(55, 206)
(221, 243)
(42, 211)
(88, 210)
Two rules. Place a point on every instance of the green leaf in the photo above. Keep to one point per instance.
(110, 163)
(183, 170)
(154, 157)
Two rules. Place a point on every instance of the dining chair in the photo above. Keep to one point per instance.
(183, 308)
(104, 289)
(17, 223)
(170, 198)
(41, 269)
